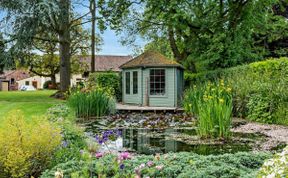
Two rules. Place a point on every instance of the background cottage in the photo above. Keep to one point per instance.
(151, 79)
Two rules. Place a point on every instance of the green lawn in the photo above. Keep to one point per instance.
(31, 103)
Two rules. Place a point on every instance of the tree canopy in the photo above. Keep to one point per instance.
(54, 22)
(204, 34)
(2, 54)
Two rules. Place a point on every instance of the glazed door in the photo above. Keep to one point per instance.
(34, 84)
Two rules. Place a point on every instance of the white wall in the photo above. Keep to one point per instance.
(42, 80)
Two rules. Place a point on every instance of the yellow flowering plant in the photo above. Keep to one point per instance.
(26, 147)
(211, 104)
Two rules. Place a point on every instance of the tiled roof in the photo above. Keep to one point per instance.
(16, 74)
(106, 62)
(151, 59)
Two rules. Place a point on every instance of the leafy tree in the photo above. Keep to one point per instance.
(273, 35)
(47, 65)
(161, 45)
(31, 18)
(212, 34)
(92, 8)
(2, 51)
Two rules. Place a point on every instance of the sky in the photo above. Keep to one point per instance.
(111, 44)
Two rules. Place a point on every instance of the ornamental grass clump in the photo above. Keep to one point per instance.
(212, 105)
(92, 103)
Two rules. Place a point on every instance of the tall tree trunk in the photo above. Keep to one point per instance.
(93, 14)
(64, 38)
(180, 57)
(53, 80)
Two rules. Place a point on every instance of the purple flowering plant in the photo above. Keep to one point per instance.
(65, 144)
(108, 135)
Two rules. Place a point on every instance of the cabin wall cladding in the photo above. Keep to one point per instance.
(152, 80)
(132, 98)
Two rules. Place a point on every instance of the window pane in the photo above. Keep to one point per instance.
(162, 85)
(157, 78)
(127, 78)
(152, 72)
(152, 78)
(157, 82)
(135, 82)
(158, 72)
(162, 72)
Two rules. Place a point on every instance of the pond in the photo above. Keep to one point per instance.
(151, 141)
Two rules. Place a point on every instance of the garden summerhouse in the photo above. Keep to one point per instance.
(151, 79)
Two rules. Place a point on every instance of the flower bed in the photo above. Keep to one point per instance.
(275, 167)
(168, 165)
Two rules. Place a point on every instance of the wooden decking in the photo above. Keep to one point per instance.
(122, 107)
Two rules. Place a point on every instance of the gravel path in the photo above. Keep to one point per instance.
(276, 134)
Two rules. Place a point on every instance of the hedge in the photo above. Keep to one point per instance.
(271, 65)
(110, 80)
(259, 89)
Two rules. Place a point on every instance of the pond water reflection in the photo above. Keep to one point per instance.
(150, 141)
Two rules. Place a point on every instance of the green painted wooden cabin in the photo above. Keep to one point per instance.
(151, 79)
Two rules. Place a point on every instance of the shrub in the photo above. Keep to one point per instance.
(57, 112)
(94, 103)
(259, 89)
(259, 108)
(73, 137)
(281, 114)
(46, 84)
(275, 167)
(26, 148)
(169, 165)
(212, 104)
(73, 142)
(109, 80)
(49, 85)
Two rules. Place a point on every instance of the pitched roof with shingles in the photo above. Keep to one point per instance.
(150, 59)
(15, 74)
(106, 62)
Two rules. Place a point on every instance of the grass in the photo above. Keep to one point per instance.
(31, 103)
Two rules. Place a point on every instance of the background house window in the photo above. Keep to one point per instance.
(12, 81)
(127, 82)
(27, 83)
(157, 81)
(135, 82)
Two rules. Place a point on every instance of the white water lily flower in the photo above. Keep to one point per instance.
(283, 159)
(271, 175)
(280, 172)
(59, 174)
(269, 163)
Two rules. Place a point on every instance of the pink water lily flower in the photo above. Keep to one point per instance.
(124, 156)
(160, 167)
(150, 163)
(99, 155)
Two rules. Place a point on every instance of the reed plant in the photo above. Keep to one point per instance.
(211, 103)
(96, 102)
